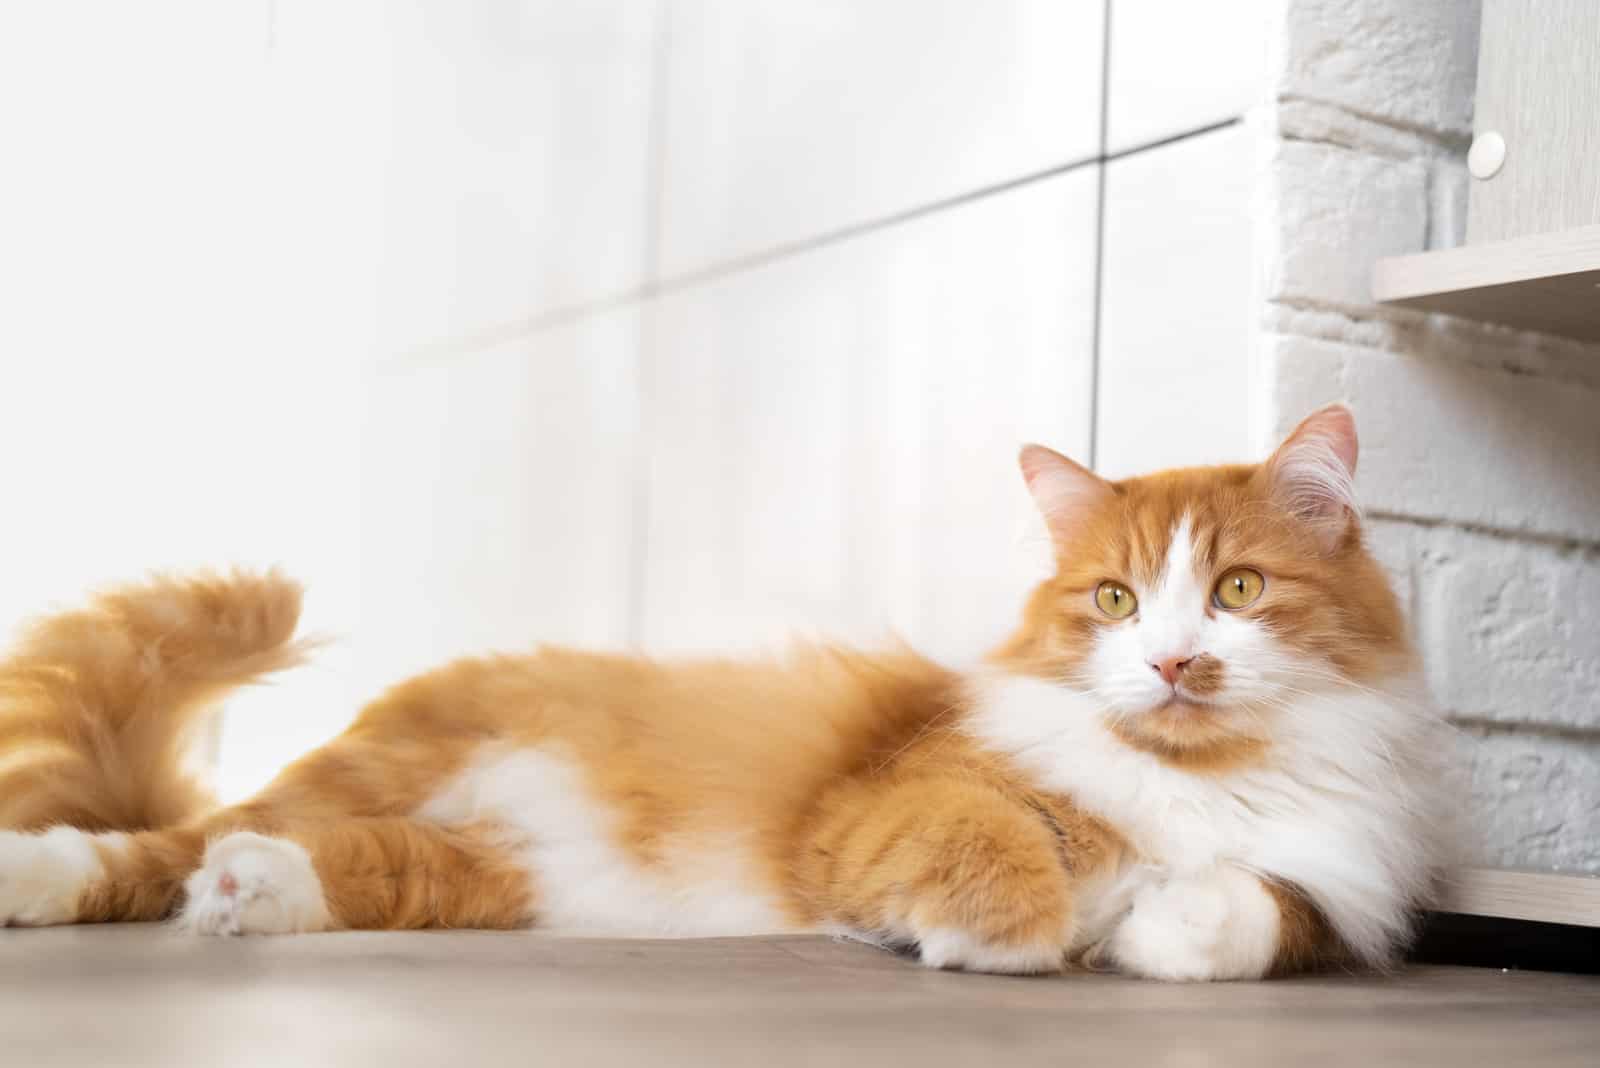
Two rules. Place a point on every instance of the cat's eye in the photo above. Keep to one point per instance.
(1239, 587)
(1115, 600)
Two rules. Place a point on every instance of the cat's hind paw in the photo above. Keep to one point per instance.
(252, 884)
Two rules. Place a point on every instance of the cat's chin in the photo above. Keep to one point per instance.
(1196, 735)
(1182, 708)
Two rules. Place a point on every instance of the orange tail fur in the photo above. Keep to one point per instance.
(99, 707)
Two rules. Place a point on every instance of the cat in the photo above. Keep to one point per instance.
(1204, 754)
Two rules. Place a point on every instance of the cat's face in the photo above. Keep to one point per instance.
(1196, 605)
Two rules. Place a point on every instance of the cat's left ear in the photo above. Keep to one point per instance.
(1064, 491)
(1312, 474)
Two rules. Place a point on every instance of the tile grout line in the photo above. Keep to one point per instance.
(1564, 543)
(555, 318)
(1099, 239)
(644, 347)
(1569, 732)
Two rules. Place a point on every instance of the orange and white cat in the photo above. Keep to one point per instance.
(1205, 754)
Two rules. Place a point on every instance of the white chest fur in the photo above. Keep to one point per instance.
(1339, 809)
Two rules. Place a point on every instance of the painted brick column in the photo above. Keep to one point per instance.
(1480, 468)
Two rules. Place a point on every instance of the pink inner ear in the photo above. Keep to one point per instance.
(1337, 426)
(1063, 490)
(1313, 471)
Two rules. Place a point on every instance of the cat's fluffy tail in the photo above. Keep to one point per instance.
(99, 707)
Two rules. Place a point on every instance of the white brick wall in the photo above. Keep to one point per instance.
(1535, 797)
(1481, 446)
(1410, 63)
(1452, 441)
(1510, 626)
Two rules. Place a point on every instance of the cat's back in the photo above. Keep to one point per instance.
(694, 740)
(812, 696)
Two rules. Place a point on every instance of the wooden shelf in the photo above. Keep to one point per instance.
(1523, 895)
(1546, 282)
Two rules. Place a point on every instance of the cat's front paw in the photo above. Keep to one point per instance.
(951, 948)
(1221, 924)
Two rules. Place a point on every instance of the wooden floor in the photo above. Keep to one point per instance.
(144, 996)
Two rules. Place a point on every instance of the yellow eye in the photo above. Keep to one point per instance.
(1115, 600)
(1239, 587)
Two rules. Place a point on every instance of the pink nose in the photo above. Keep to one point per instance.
(1170, 668)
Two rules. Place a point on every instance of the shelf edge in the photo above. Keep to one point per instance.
(1494, 263)
(1545, 897)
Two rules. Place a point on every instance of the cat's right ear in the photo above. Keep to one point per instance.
(1064, 491)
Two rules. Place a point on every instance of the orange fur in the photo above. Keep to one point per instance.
(848, 780)
(949, 838)
(398, 874)
(143, 875)
(1305, 941)
(99, 707)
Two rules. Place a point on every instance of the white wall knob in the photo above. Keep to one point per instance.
(1487, 155)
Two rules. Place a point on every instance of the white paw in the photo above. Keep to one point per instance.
(944, 947)
(1222, 924)
(43, 875)
(252, 884)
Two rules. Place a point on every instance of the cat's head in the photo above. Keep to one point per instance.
(1195, 605)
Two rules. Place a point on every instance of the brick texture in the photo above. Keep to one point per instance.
(1449, 441)
(1510, 626)
(1412, 63)
(1535, 800)
(1480, 467)
(1333, 211)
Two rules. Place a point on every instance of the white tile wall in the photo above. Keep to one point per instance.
(127, 192)
(787, 120)
(1176, 329)
(832, 437)
(325, 133)
(168, 397)
(1176, 67)
(516, 173)
(497, 499)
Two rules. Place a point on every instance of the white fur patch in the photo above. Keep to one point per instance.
(583, 879)
(43, 874)
(252, 884)
(1221, 924)
(1172, 614)
(955, 949)
(1342, 808)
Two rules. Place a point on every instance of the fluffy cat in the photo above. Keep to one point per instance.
(1204, 754)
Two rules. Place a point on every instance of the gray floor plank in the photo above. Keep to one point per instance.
(142, 995)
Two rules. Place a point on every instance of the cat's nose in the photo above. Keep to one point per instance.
(1170, 668)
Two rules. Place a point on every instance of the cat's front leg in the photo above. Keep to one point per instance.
(975, 880)
(1222, 923)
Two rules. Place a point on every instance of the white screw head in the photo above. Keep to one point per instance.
(1487, 155)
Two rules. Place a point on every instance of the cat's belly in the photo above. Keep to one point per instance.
(584, 878)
